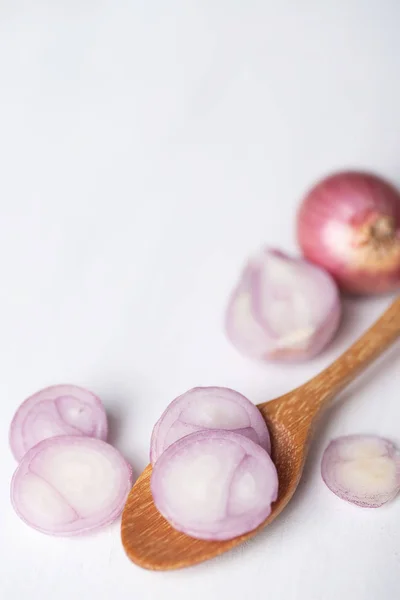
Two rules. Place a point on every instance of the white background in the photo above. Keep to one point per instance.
(147, 148)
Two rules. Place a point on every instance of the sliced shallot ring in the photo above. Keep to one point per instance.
(68, 485)
(282, 308)
(53, 411)
(214, 485)
(204, 408)
(362, 469)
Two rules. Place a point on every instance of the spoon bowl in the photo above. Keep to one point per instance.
(152, 543)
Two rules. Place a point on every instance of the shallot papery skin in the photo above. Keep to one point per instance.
(53, 411)
(362, 469)
(214, 485)
(282, 309)
(203, 408)
(349, 224)
(68, 485)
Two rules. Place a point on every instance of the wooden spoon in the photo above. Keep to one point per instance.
(152, 543)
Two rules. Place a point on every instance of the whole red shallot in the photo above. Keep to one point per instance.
(349, 223)
(282, 308)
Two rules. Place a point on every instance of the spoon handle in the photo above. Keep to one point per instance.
(362, 353)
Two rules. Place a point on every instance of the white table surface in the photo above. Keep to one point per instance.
(147, 148)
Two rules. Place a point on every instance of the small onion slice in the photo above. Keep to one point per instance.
(362, 469)
(68, 485)
(282, 309)
(214, 485)
(54, 411)
(204, 408)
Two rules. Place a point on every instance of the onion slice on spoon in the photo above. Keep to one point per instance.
(208, 408)
(214, 485)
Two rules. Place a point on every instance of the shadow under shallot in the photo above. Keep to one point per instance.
(115, 426)
(118, 422)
